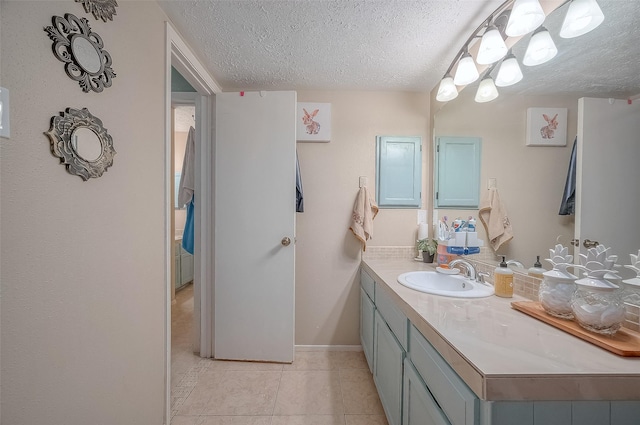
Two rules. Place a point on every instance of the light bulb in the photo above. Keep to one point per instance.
(582, 17)
(526, 15)
(467, 72)
(447, 90)
(541, 48)
(509, 72)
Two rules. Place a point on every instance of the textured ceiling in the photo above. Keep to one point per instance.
(389, 45)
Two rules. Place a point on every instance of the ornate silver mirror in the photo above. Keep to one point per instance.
(81, 142)
(101, 9)
(81, 50)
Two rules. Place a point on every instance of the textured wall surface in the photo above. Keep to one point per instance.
(82, 265)
(327, 253)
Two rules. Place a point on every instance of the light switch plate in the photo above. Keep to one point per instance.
(4, 113)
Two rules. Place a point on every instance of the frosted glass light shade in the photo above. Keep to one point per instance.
(509, 72)
(447, 90)
(582, 17)
(526, 15)
(541, 48)
(467, 72)
(487, 91)
(492, 47)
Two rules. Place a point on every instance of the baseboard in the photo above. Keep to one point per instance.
(328, 347)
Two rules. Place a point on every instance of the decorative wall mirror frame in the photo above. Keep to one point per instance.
(81, 50)
(81, 142)
(101, 9)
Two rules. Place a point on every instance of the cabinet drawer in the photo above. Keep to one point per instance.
(394, 317)
(367, 284)
(419, 407)
(458, 402)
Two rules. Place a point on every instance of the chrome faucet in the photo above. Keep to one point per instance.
(470, 270)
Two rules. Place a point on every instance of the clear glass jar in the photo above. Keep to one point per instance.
(555, 292)
(597, 306)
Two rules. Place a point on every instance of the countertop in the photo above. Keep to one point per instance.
(503, 354)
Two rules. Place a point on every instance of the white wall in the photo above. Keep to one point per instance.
(83, 263)
(327, 253)
(530, 180)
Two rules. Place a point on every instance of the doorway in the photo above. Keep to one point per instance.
(180, 57)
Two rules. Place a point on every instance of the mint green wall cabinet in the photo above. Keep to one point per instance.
(457, 172)
(388, 359)
(367, 314)
(398, 171)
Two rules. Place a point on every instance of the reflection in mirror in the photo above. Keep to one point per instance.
(86, 54)
(86, 144)
(81, 142)
(531, 180)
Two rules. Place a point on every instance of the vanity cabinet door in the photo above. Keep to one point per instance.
(388, 358)
(419, 407)
(186, 266)
(367, 311)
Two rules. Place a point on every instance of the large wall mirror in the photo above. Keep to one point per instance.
(602, 64)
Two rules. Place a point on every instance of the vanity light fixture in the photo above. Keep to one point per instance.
(526, 15)
(467, 72)
(447, 89)
(487, 90)
(492, 46)
(582, 16)
(513, 18)
(541, 48)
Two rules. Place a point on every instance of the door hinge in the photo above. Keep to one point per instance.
(438, 148)
(437, 194)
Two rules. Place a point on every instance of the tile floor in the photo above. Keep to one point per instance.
(318, 388)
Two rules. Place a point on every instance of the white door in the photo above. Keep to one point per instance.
(254, 219)
(608, 174)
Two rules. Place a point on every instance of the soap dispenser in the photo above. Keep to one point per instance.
(537, 270)
(503, 280)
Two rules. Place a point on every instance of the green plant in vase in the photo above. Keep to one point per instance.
(429, 247)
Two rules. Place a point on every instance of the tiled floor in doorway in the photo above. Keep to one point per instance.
(319, 388)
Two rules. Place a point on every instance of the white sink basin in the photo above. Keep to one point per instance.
(442, 284)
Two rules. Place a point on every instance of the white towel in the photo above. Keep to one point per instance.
(187, 179)
(364, 211)
(495, 219)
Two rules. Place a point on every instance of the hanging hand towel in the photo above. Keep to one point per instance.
(568, 204)
(299, 193)
(187, 179)
(364, 211)
(493, 215)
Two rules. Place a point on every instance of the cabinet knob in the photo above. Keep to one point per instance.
(285, 241)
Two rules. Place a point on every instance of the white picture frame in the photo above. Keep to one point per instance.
(547, 127)
(313, 122)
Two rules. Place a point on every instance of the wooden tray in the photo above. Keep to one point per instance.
(625, 342)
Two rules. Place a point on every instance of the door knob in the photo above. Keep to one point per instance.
(285, 241)
(590, 244)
